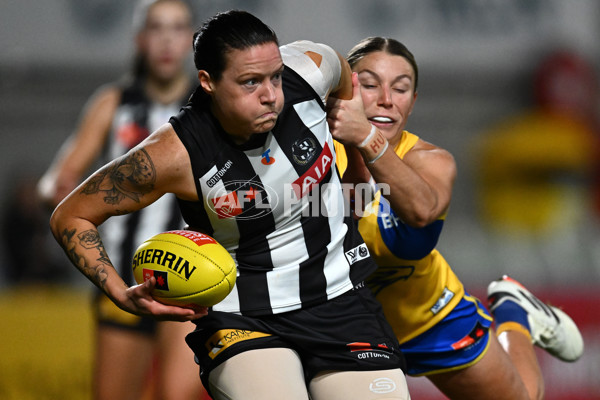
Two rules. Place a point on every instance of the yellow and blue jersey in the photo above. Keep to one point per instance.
(414, 283)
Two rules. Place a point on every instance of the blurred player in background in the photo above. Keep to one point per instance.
(117, 117)
(443, 331)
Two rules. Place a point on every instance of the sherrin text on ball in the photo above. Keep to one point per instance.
(190, 268)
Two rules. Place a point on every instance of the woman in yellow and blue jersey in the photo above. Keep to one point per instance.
(444, 333)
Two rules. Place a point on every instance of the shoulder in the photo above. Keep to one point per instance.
(164, 138)
(424, 146)
(108, 92)
(427, 155)
(427, 149)
(165, 153)
(106, 98)
(198, 131)
(194, 117)
(98, 112)
(305, 50)
(316, 63)
(170, 159)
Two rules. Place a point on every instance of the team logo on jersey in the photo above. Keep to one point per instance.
(242, 200)
(315, 174)
(266, 158)
(304, 150)
(444, 299)
(358, 253)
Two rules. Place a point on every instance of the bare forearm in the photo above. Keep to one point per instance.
(115, 189)
(84, 248)
(124, 185)
(413, 200)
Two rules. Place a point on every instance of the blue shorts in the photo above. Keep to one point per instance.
(456, 342)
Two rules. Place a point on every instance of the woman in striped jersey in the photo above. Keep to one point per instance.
(251, 161)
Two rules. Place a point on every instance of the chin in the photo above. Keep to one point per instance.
(390, 132)
(265, 126)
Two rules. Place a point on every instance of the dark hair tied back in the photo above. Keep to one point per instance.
(224, 32)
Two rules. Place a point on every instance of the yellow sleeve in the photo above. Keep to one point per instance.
(341, 159)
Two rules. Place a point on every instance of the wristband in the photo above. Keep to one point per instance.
(378, 156)
(374, 145)
(369, 137)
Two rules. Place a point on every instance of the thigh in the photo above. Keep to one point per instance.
(124, 351)
(178, 375)
(359, 385)
(122, 364)
(273, 373)
(493, 377)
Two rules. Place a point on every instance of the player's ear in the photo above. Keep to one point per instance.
(205, 81)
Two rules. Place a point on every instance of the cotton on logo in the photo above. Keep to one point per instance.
(382, 385)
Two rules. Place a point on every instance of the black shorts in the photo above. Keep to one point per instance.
(347, 333)
(108, 314)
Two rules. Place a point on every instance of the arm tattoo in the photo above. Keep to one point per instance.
(89, 239)
(129, 177)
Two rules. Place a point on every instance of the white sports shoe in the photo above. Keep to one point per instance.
(551, 328)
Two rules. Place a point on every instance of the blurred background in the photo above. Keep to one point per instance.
(508, 86)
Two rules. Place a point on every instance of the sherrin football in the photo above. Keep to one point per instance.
(190, 268)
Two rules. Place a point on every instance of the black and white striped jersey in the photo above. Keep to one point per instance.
(275, 203)
(136, 117)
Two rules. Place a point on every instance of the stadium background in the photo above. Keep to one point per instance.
(476, 60)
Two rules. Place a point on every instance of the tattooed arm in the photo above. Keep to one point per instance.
(158, 165)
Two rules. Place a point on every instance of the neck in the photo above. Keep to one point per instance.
(169, 91)
(396, 139)
(236, 136)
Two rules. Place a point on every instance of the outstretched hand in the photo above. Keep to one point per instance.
(346, 118)
(141, 302)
